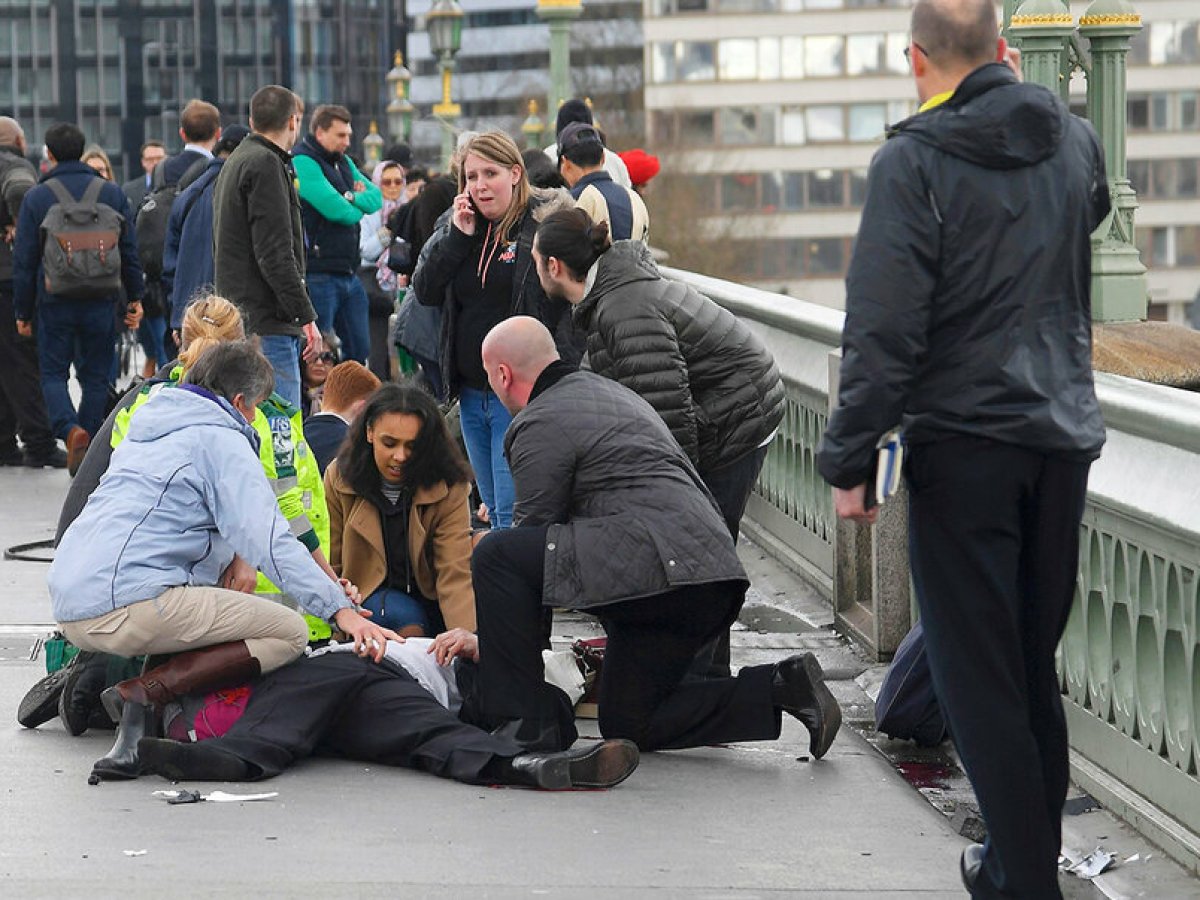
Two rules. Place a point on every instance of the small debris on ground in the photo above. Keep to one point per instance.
(178, 797)
(135, 852)
(1099, 860)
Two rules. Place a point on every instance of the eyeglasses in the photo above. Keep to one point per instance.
(327, 357)
(908, 52)
(392, 182)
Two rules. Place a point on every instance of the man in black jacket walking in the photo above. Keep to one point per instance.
(258, 243)
(611, 517)
(968, 319)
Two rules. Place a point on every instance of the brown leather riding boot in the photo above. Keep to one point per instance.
(197, 671)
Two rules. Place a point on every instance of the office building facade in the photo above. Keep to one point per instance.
(774, 108)
(123, 69)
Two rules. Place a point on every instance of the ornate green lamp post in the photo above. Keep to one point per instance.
(533, 127)
(1119, 290)
(444, 23)
(559, 14)
(1045, 31)
(372, 146)
(400, 109)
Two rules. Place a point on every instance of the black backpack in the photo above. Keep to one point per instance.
(154, 215)
(81, 252)
(907, 706)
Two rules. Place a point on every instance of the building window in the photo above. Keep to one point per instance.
(1138, 112)
(824, 123)
(791, 51)
(1174, 43)
(791, 127)
(867, 121)
(1187, 245)
(738, 58)
(694, 61)
(866, 54)
(826, 258)
(745, 125)
(826, 188)
(823, 56)
(793, 190)
(739, 193)
(696, 128)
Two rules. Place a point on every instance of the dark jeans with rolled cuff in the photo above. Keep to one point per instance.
(652, 641)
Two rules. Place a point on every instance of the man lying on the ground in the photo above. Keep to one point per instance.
(339, 705)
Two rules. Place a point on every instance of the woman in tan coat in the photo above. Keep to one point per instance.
(399, 515)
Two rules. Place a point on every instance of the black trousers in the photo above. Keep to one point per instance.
(22, 409)
(342, 705)
(651, 643)
(731, 487)
(994, 543)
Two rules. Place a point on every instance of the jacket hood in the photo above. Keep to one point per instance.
(173, 409)
(543, 201)
(623, 263)
(993, 121)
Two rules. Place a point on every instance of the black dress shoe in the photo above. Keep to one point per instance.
(40, 702)
(798, 688)
(191, 762)
(604, 764)
(55, 458)
(970, 864)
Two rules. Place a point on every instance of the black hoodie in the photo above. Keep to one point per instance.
(968, 305)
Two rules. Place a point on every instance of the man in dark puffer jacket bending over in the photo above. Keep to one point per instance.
(709, 377)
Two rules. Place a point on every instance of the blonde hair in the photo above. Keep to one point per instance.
(208, 321)
(95, 151)
(498, 148)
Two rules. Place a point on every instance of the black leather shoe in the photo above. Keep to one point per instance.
(80, 696)
(604, 764)
(121, 763)
(54, 458)
(798, 688)
(40, 702)
(970, 864)
(191, 762)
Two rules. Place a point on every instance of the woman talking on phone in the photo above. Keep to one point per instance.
(479, 267)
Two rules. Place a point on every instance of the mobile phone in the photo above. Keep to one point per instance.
(474, 208)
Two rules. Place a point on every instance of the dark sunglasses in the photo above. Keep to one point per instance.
(391, 182)
(327, 357)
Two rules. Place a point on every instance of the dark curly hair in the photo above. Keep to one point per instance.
(435, 455)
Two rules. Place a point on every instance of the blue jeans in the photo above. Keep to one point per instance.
(150, 335)
(283, 352)
(341, 306)
(78, 332)
(396, 610)
(484, 421)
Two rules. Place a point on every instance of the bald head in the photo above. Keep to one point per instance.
(956, 34)
(515, 353)
(11, 134)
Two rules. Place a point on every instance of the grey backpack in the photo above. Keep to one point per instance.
(81, 255)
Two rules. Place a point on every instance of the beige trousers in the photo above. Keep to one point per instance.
(188, 618)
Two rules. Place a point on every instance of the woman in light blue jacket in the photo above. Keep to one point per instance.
(137, 571)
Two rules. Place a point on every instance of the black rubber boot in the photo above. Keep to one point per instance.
(798, 688)
(80, 696)
(604, 764)
(121, 762)
(191, 762)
